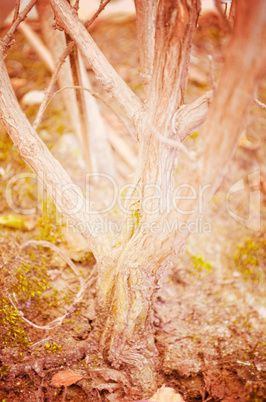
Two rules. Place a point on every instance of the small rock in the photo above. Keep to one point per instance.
(33, 98)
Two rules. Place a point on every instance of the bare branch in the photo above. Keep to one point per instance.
(8, 38)
(224, 20)
(105, 101)
(188, 118)
(104, 72)
(77, 81)
(176, 143)
(175, 25)
(231, 103)
(146, 14)
(61, 60)
(38, 45)
(211, 73)
(16, 11)
(49, 91)
(68, 197)
(102, 6)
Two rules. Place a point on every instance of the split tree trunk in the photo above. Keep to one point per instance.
(130, 271)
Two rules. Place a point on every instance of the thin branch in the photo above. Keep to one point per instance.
(49, 90)
(7, 40)
(232, 12)
(102, 6)
(225, 21)
(105, 73)
(81, 104)
(173, 143)
(259, 103)
(145, 18)
(71, 203)
(83, 286)
(16, 11)
(76, 6)
(38, 45)
(105, 101)
(57, 250)
(211, 73)
(62, 58)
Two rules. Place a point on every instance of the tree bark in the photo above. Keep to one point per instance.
(146, 15)
(130, 274)
(67, 197)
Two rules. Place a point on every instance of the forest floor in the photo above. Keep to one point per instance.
(210, 312)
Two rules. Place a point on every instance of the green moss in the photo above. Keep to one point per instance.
(200, 267)
(5, 146)
(30, 281)
(12, 332)
(53, 348)
(48, 227)
(250, 260)
(52, 122)
(4, 370)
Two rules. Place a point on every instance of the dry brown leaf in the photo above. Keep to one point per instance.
(66, 378)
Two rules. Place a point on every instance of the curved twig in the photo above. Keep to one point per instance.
(173, 143)
(100, 98)
(259, 103)
(58, 321)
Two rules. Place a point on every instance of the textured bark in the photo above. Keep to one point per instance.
(175, 25)
(55, 42)
(129, 276)
(188, 118)
(146, 14)
(130, 287)
(244, 65)
(92, 132)
(38, 45)
(67, 196)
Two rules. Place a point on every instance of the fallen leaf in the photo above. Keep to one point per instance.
(16, 222)
(66, 378)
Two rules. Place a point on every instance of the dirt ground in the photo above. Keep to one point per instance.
(210, 312)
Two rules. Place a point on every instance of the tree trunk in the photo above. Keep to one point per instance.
(130, 270)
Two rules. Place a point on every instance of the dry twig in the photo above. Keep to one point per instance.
(83, 286)
(70, 47)
(16, 11)
(105, 101)
(7, 40)
(211, 73)
(259, 103)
